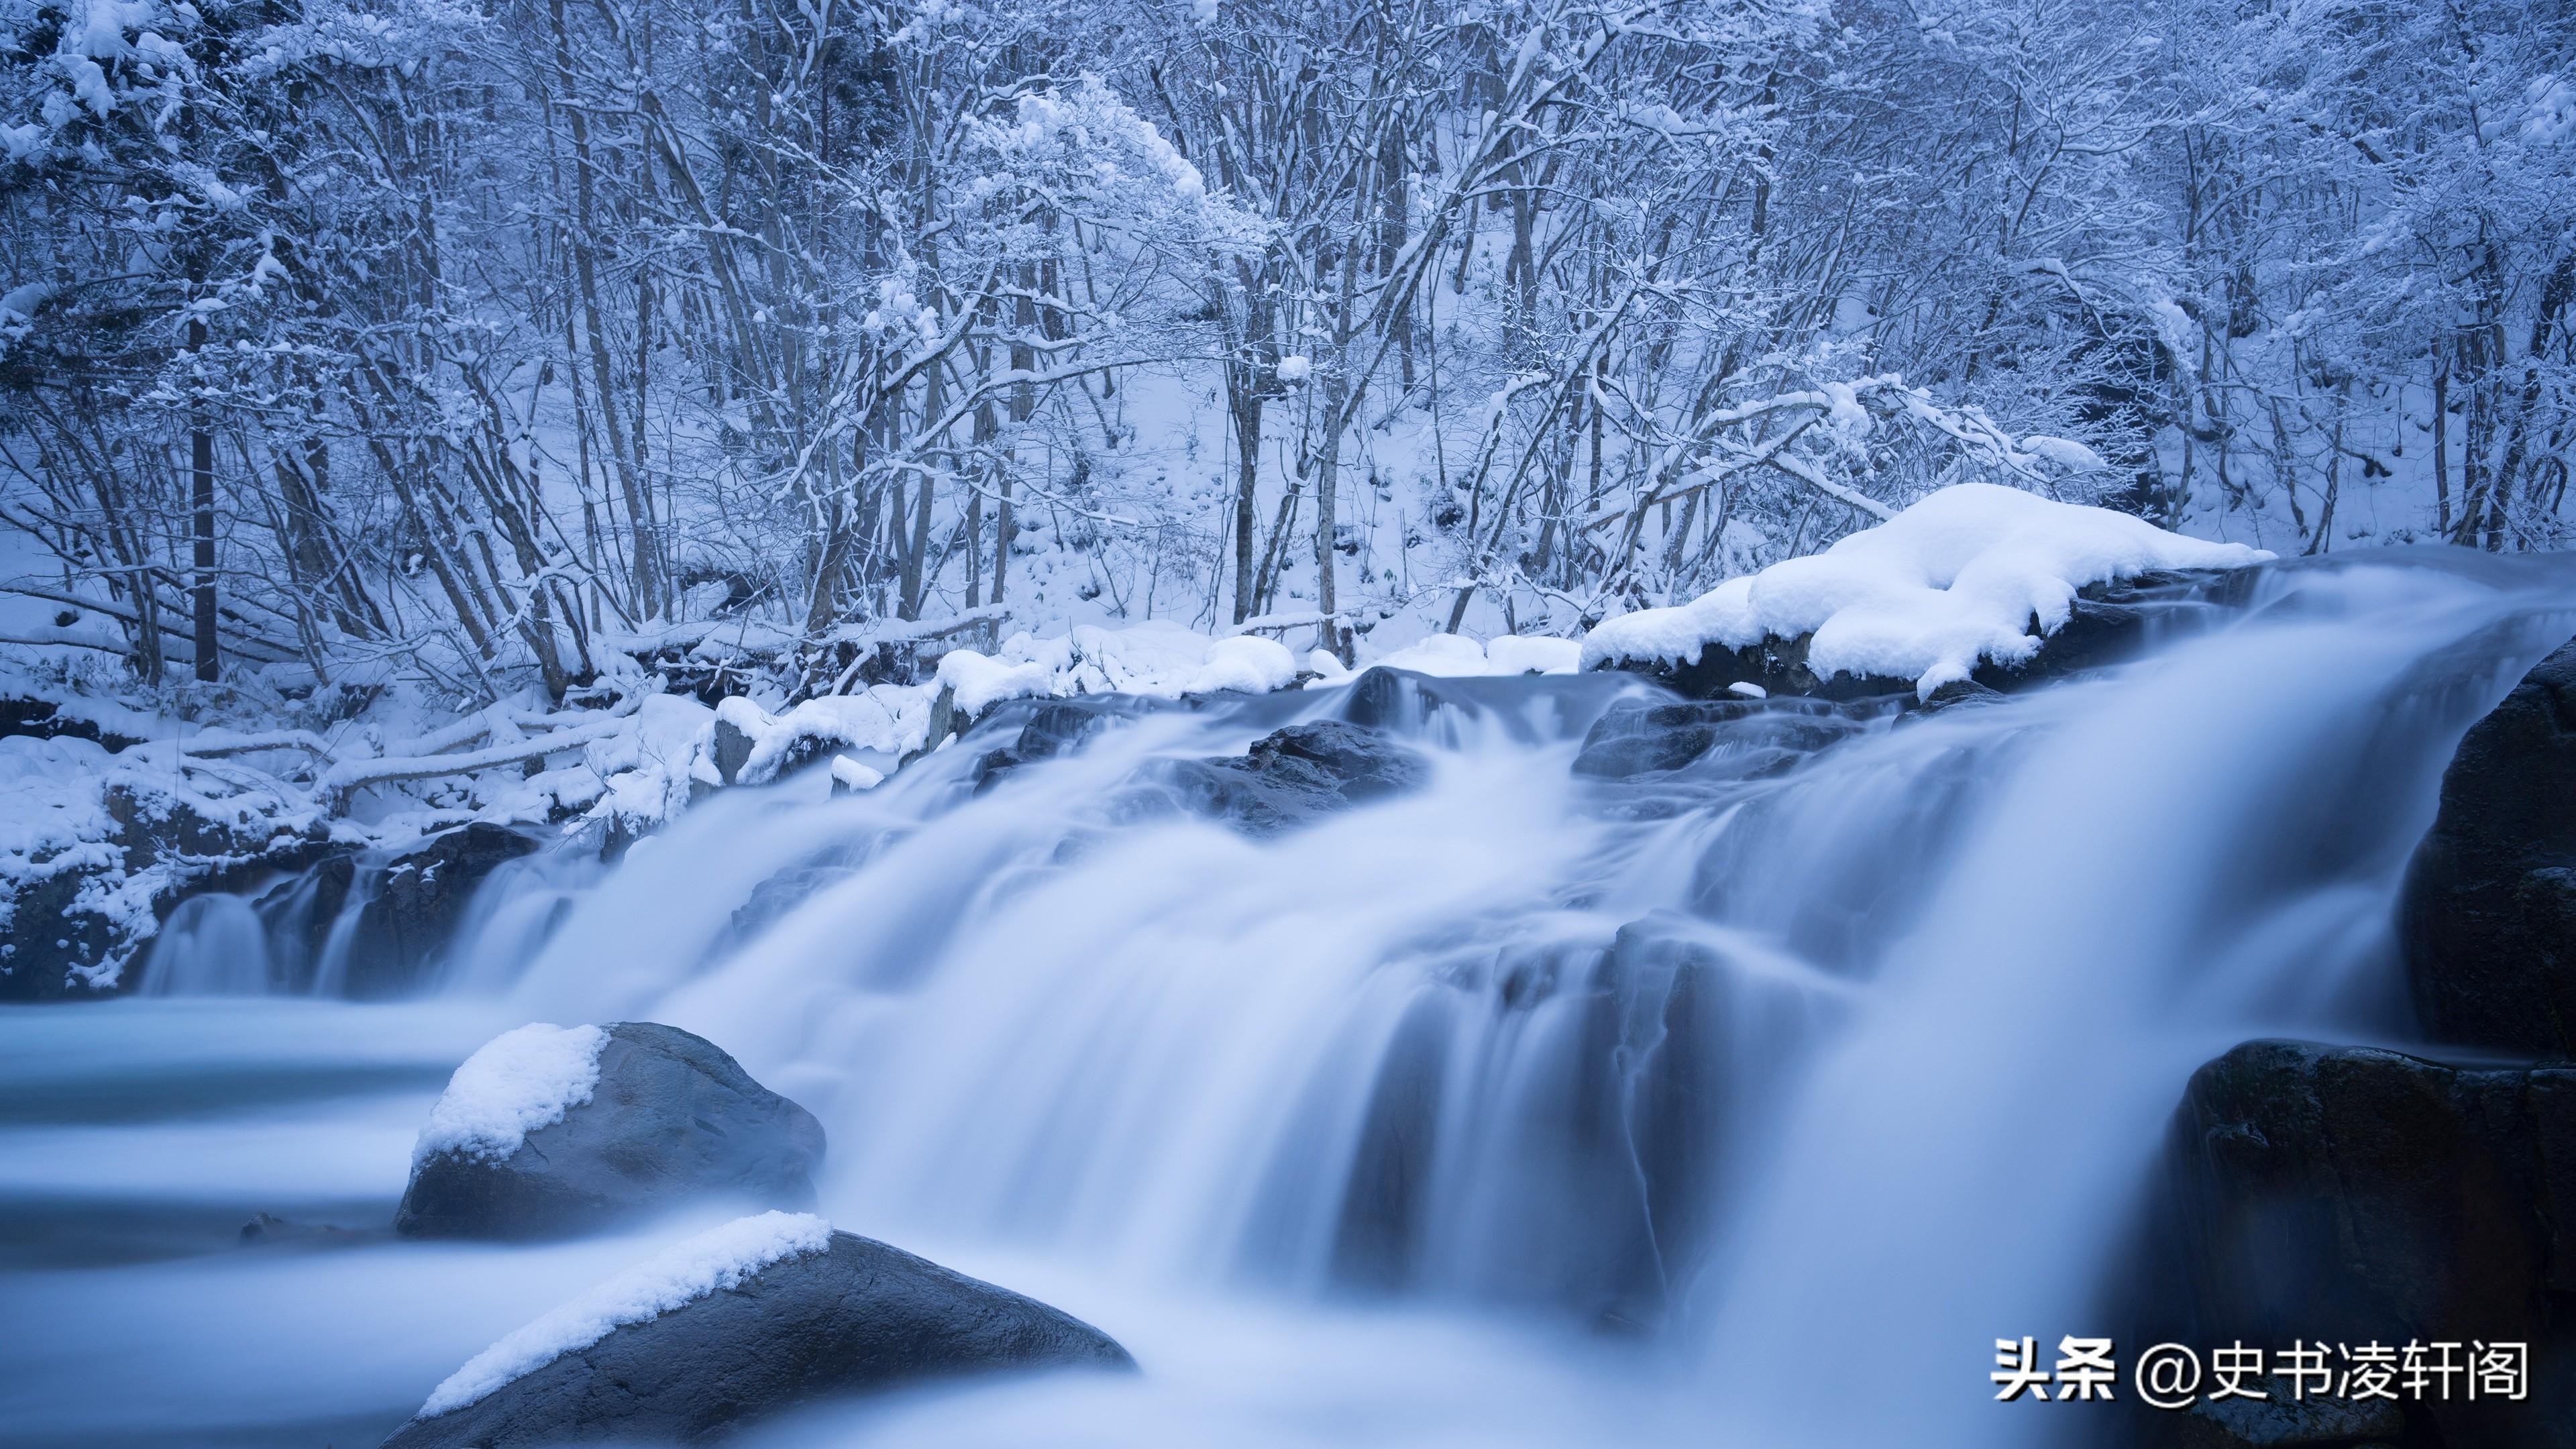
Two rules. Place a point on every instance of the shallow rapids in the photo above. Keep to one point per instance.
(1742, 1104)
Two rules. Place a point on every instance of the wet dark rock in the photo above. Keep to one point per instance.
(771, 900)
(2488, 916)
(672, 1119)
(53, 943)
(1057, 727)
(1297, 775)
(1960, 694)
(270, 1229)
(2291, 1415)
(1616, 1137)
(1743, 738)
(857, 1318)
(1394, 699)
(2354, 1195)
(419, 901)
(732, 749)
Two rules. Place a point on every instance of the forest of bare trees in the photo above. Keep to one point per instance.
(458, 336)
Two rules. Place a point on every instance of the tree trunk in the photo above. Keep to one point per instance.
(201, 510)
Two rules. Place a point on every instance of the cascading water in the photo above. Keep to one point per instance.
(1742, 1104)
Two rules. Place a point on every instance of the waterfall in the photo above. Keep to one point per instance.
(1787, 1081)
(212, 945)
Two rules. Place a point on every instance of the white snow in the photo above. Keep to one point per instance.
(1157, 659)
(652, 768)
(1533, 654)
(849, 774)
(1455, 655)
(982, 681)
(720, 1258)
(1439, 654)
(1955, 579)
(892, 719)
(516, 1083)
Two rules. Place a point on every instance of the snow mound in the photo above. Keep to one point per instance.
(1455, 656)
(715, 1260)
(982, 681)
(1164, 661)
(652, 768)
(893, 719)
(1951, 581)
(518, 1082)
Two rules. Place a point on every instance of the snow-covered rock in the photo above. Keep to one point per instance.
(1950, 583)
(95, 847)
(753, 746)
(513, 1084)
(1155, 660)
(718, 1259)
(737, 1325)
(548, 1131)
(656, 766)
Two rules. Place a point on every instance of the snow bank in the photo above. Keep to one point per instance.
(653, 768)
(715, 1260)
(892, 719)
(1455, 655)
(1953, 580)
(982, 681)
(518, 1082)
(1162, 660)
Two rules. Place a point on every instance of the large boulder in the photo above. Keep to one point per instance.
(419, 902)
(549, 1131)
(2355, 1195)
(2488, 916)
(754, 1318)
(1297, 775)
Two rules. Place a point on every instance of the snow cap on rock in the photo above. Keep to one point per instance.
(713, 1261)
(1949, 582)
(516, 1083)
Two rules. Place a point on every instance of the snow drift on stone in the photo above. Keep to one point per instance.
(1952, 581)
(720, 1258)
(518, 1082)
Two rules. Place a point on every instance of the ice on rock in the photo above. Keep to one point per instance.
(516, 1083)
(1947, 583)
(713, 1261)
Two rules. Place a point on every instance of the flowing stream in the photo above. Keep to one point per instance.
(1746, 1104)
